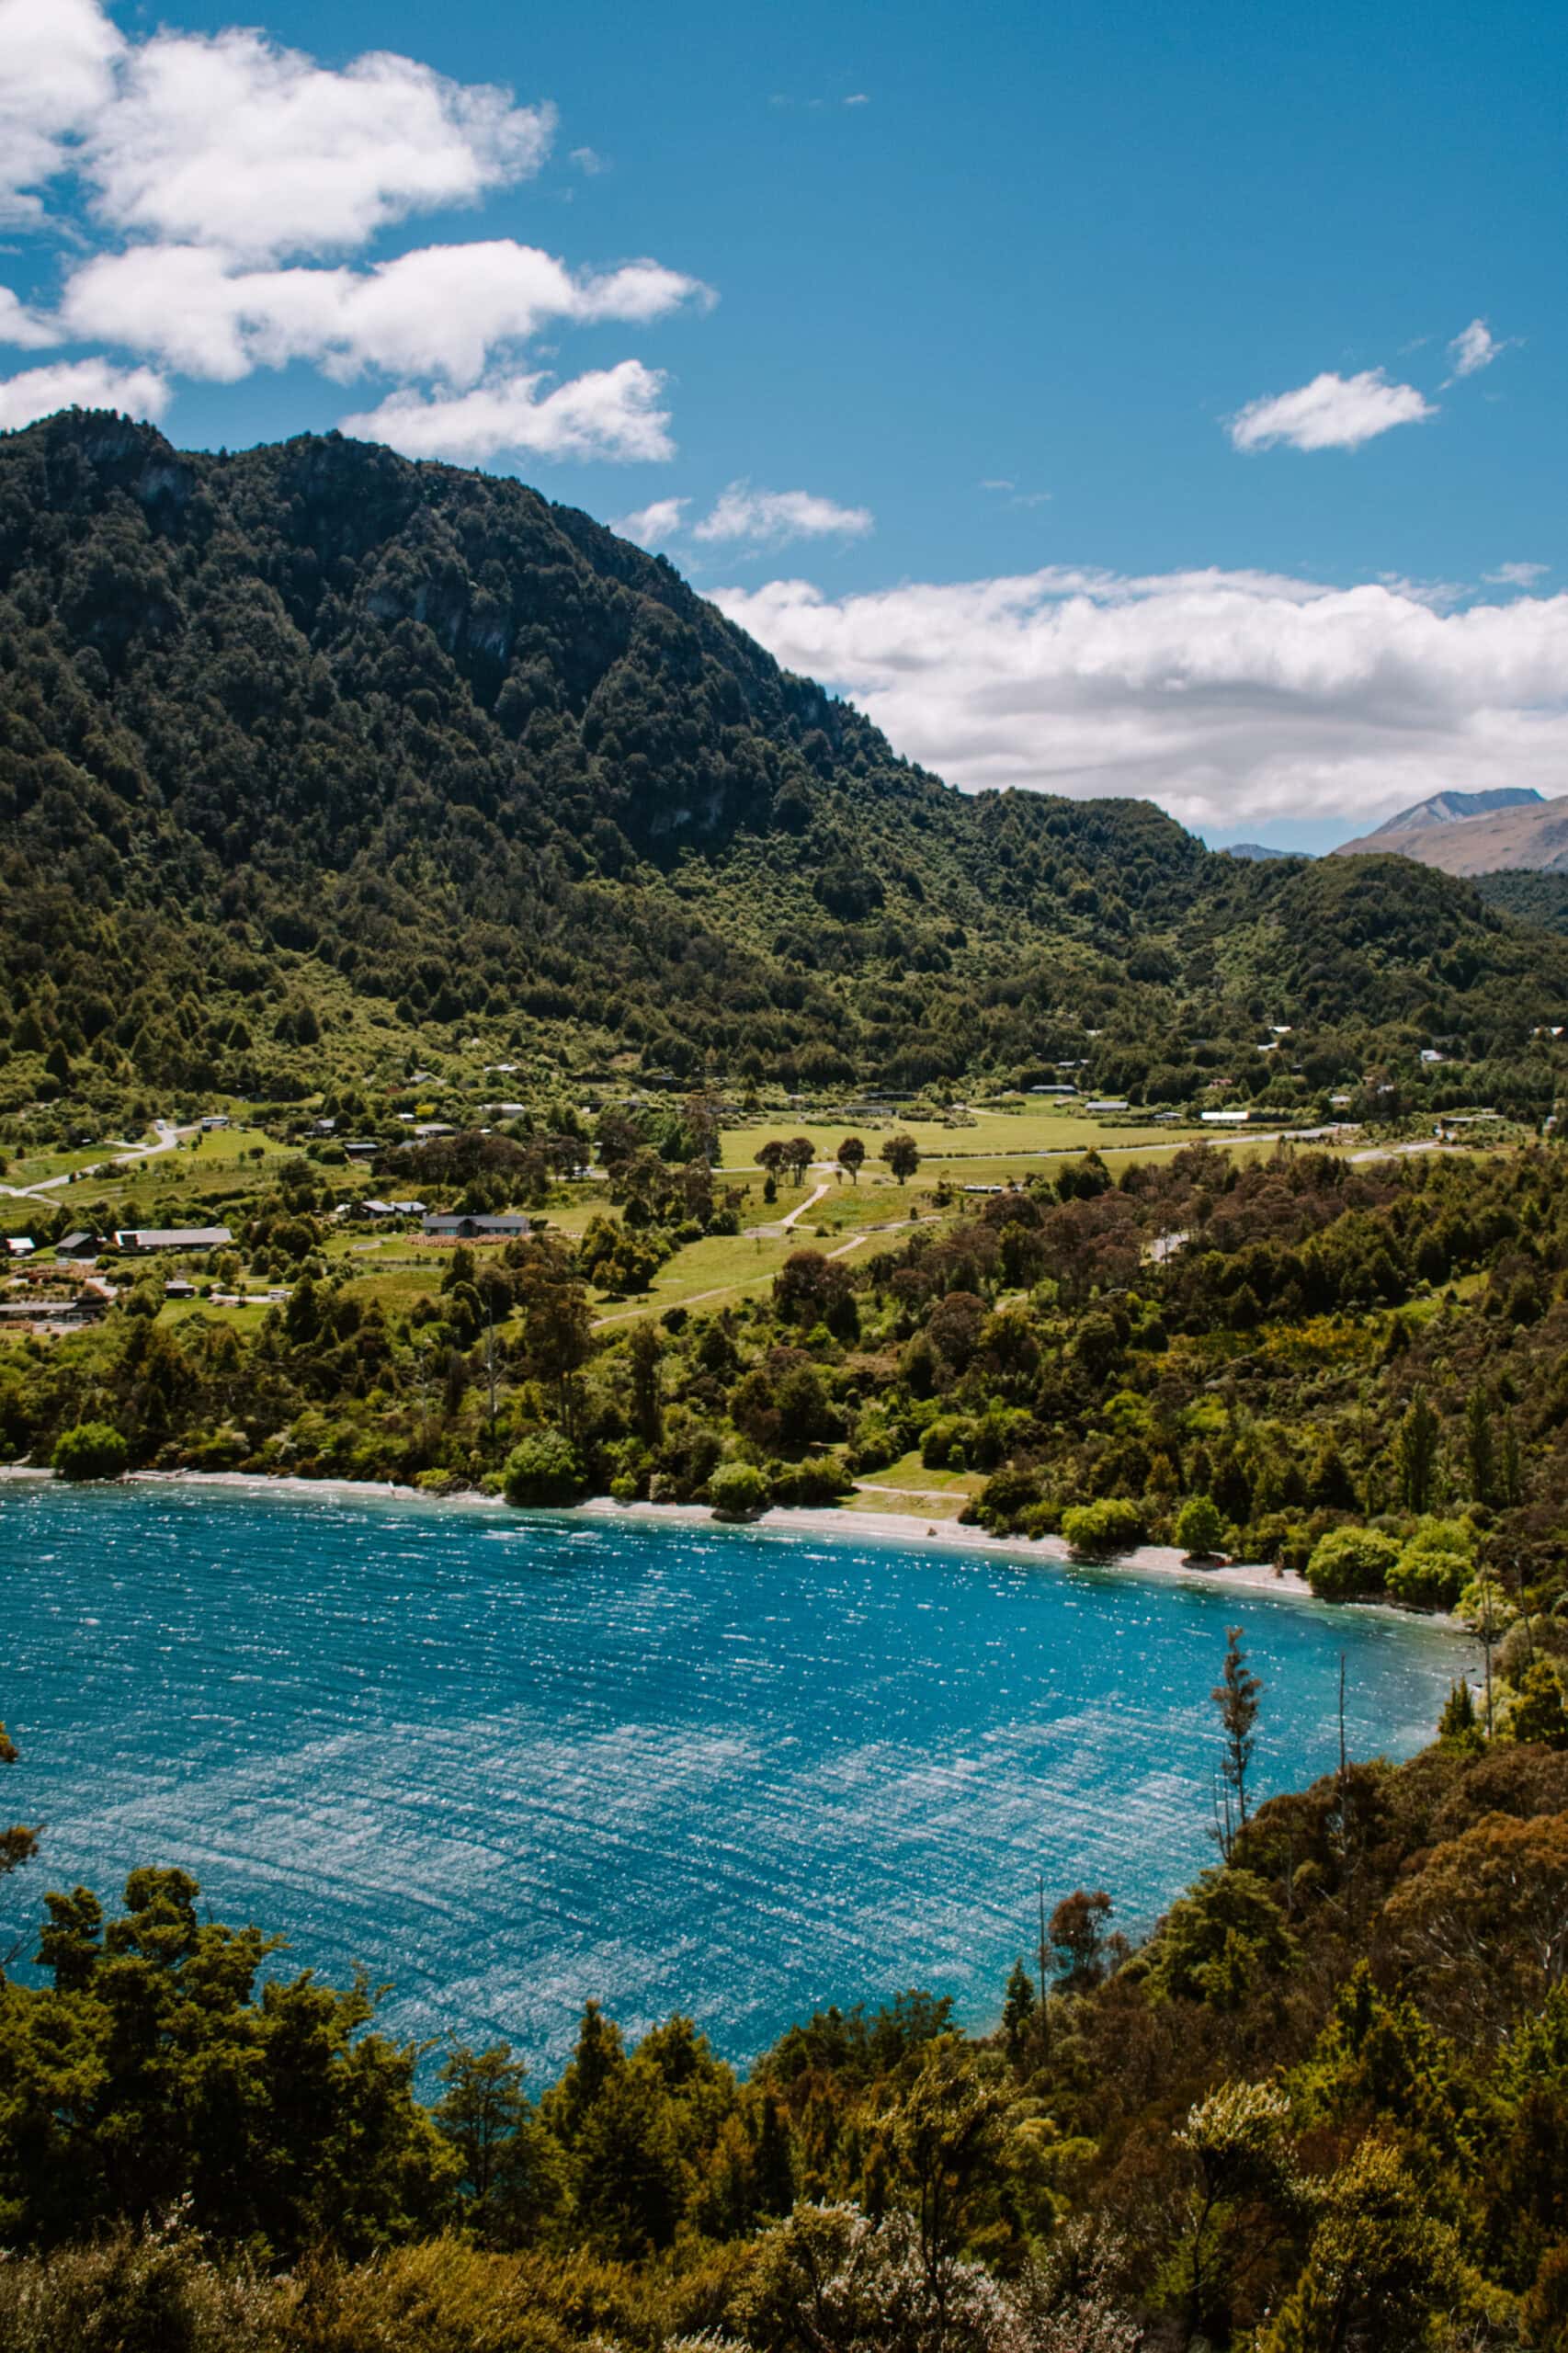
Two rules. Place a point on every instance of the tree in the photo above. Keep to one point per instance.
(557, 1326)
(1351, 1560)
(1537, 1712)
(90, 1450)
(1100, 1531)
(646, 1350)
(770, 1156)
(543, 1469)
(1236, 2142)
(1480, 1447)
(1018, 2010)
(1077, 1933)
(852, 1157)
(1236, 1697)
(1415, 1453)
(902, 1156)
(942, 2132)
(1200, 1527)
(1382, 2269)
(481, 2112)
(158, 2067)
(738, 1491)
(798, 1154)
(18, 1845)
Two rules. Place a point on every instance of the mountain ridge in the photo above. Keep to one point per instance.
(311, 754)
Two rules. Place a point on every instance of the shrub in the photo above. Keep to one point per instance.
(812, 1484)
(1435, 1566)
(543, 1469)
(1006, 1492)
(1200, 1527)
(942, 1435)
(1351, 1560)
(1100, 1529)
(738, 1491)
(91, 1451)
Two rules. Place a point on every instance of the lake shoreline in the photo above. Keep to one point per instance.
(907, 1532)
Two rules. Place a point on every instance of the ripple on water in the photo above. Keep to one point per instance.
(508, 1767)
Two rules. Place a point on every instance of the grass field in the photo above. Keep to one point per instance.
(991, 1133)
(910, 1475)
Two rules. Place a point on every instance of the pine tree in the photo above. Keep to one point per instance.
(1480, 1452)
(1415, 1452)
(1017, 2010)
(1236, 1697)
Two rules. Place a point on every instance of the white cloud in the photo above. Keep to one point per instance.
(1475, 347)
(589, 162)
(22, 328)
(56, 74)
(769, 518)
(442, 310)
(649, 527)
(1231, 698)
(237, 143)
(81, 383)
(1331, 412)
(610, 413)
(1517, 575)
(234, 177)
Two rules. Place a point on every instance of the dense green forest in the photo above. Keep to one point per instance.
(315, 763)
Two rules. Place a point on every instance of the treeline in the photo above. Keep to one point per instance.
(1325, 2107)
(1353, 1369)
(313, 761)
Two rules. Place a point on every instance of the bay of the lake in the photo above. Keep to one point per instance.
(508, 1761)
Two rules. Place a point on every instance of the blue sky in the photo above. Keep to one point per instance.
(953, 375)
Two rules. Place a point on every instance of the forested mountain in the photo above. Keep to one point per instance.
(314, 740)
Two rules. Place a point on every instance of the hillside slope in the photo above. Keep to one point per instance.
(312, 758)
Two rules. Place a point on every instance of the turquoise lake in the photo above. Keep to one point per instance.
(509, 1761)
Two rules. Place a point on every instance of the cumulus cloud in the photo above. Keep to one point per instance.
(21, 328)
(610, 413)
(81, 383)
(234, 142)
(57, 59)
(1331, 412)
(1229, 697)
(650, 526)
(231, 179)
(443, 311)
(769, 518)
(1475, 347)
(1517, 575)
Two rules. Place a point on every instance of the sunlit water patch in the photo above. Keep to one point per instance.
(507, 1763)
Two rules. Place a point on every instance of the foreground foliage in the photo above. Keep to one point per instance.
(1325, 2106)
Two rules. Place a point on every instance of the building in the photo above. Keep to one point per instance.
(456, 1228)
(20, 1245)
(1224, 1119)
(136, 1238)
(81, 1245)
(1108, 1103)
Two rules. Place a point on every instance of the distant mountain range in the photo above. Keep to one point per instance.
(1513, 828)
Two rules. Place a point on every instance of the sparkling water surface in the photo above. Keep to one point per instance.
(508, 1761)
